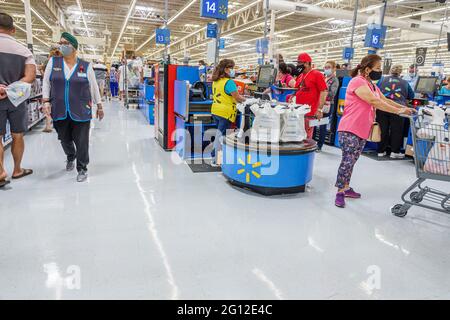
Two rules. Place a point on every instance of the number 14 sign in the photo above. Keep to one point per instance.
(216, 9)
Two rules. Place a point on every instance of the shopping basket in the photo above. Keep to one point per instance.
(431, 143)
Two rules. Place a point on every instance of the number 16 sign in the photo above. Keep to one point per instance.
(216, 9)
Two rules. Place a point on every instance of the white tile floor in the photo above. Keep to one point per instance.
(145, 228)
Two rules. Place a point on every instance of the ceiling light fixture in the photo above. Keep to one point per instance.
(36, 37)
(168, 22)
(130, 10)
(40, 17)
(204, 28)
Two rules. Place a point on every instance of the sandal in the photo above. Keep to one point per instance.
(25, 172)
(4, 183)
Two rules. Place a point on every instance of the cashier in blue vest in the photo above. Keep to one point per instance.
(69, 93)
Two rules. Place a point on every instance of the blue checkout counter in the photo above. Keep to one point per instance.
(193, 123)
(147, 102)
(268, 169)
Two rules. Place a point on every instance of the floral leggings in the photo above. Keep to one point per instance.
(352, 146)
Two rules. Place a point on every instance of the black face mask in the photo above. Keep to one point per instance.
(375, 75)
(298, 70)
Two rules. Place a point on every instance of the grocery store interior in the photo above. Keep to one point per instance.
(155, 202)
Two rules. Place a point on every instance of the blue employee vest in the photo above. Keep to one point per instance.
(70, 97)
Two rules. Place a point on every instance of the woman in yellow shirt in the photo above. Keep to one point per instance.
(225, 98)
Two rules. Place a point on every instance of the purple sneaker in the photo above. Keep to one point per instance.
(350, 193)
(340, 200)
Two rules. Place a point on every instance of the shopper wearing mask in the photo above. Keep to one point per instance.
(16, 64)
(362, 99)
(225, 98)
(333, 85)
(69, 93)
(412, 76)
(284, 76)
(398, 90)
(100, 71)
(312, 90)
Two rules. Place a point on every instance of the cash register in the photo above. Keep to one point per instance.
(266, 76)
(426, 87)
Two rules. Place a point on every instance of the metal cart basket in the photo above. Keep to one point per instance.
(431, 145)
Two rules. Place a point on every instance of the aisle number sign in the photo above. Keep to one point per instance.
(375, 36)
(216, 9)
(221, 43)
(348, 53)
(162, 36)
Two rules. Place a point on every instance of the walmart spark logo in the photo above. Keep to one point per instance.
(393, 91)
(251, 171)
(223, 9)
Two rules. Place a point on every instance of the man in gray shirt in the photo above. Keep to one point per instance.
(17, 64)
(100, 71)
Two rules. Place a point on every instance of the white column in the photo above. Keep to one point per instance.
(28, 24)
(272, 58)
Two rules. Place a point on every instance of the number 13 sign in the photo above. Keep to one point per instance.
(216, 9)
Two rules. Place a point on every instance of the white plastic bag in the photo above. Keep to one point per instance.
(18, 92)
(438, 161)
(266, 126)
(434, 120)
(293, 128)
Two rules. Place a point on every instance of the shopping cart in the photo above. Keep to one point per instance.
(431, 143)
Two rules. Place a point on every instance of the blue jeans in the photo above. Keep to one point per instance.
(114, 87)
(222, 126)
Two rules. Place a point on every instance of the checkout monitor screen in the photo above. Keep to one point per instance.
(265, 76)
(426, 85)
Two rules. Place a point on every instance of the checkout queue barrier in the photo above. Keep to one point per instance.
(268, 169)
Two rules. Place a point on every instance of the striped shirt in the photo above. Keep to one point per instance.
(13, 58)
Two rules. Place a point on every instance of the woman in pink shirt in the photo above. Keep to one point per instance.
(284, 75)
(362, 99)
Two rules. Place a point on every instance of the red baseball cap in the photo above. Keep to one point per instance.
(304, 57)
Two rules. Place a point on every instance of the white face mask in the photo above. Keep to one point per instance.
(328, 72)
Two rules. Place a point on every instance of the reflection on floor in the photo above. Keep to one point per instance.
(144, 227)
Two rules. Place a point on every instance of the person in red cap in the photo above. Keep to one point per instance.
(312, 89)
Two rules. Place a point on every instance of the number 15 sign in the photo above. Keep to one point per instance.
(216, 9)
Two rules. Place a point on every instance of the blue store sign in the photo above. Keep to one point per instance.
(211, 30)
(221, 43)
(375, 36)
(262, 46)
(216, 9)
(162, 36)
(348, 53)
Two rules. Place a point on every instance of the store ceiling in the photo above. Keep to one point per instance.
(323, 37)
